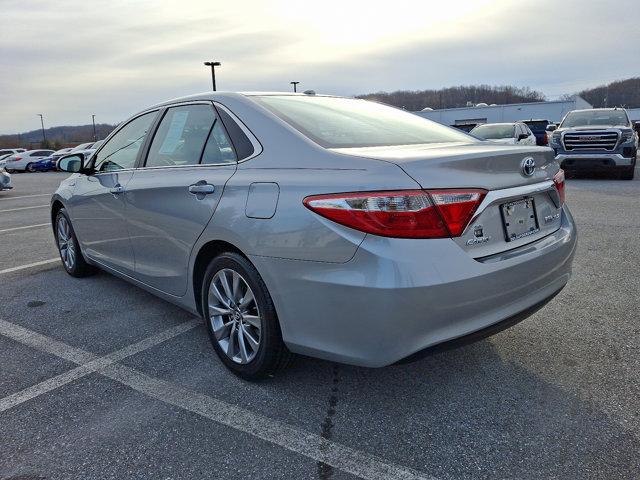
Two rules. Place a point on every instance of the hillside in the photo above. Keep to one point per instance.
(452, 97)
(622, 93)
(57, 137)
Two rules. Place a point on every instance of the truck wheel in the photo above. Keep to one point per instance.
(628, 173)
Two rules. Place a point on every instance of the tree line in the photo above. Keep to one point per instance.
(452, 97)
(56, 137)
(621, 93)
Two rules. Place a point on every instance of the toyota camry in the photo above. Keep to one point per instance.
(331, 227)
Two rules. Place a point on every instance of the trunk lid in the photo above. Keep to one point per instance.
(485, 165)
(518, 208)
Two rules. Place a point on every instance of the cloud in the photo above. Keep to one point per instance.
(71, 59)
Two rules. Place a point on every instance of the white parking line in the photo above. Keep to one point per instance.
(26, 196)
(25, 227)
(29, 265)
(89, 362)
(24, 208)
(356, 462)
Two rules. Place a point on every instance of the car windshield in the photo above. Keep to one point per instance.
(335, 122)
(493, 131)
(609, 118)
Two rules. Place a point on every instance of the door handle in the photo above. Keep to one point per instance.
(117, 189)
(201, 188)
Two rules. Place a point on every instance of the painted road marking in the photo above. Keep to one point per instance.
(356, 462)
(29, 265)
(23, 208)
(25, 227)
(26, 196)
(89, 362)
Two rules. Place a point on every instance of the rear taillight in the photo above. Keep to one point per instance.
(558, 180)
(545, 139)
(401, 214)
(14, 159)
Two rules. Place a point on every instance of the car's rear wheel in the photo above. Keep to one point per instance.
(241, 318)
(30, 167)
(69, 248)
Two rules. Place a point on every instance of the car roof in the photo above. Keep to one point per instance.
(611, 109)
(501, 123)
(213, 96)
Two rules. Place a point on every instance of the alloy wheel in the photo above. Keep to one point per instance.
(234, 316)
(66, 245)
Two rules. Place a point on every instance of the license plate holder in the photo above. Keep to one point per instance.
(519, 219)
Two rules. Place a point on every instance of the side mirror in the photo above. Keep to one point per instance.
(71, 163)
(523, 136)
(551, 127)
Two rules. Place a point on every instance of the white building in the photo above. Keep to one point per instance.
(552, 111)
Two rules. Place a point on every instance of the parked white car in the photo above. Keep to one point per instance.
(23, 161)
(516, 133)
(11, 151)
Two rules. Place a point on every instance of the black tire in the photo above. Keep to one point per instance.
(628, 173)
(30, 168)
(272, 355)
(8, 170)
(79, 267)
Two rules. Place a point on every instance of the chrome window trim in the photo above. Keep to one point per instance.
(494, 196)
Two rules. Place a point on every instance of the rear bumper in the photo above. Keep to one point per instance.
(591, 161)
(397, 297)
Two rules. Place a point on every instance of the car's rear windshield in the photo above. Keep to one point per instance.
(608, 118)
(335, 122)
(537, 126)
(493, 131)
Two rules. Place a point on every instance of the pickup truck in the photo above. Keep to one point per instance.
(599, 139)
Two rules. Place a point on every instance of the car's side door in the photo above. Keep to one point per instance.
(97, 207)
(174, 192)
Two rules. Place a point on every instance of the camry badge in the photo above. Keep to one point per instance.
(528, 166)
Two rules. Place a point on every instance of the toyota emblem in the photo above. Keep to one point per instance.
(528, 166)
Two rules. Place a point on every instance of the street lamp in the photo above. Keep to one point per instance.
(295, 84)
(93, 119)
(44, 138)
(213, 66)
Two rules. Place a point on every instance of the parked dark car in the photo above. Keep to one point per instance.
(44, 165)
(539, 129)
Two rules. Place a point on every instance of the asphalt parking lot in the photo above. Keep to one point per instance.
(99, 379)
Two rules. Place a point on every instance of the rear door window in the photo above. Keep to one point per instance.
(181, 136)
(219, 149)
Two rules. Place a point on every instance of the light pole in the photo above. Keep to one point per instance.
(213, 66)
(93, 120)
(295, 84)
(44, 138)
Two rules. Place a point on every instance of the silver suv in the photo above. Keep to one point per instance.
(600, 139)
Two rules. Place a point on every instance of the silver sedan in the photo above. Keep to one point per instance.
(326, 226)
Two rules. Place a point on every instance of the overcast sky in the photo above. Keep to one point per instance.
(71, 59)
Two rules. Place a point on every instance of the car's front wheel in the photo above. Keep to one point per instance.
(241, 318)
(69, 248)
